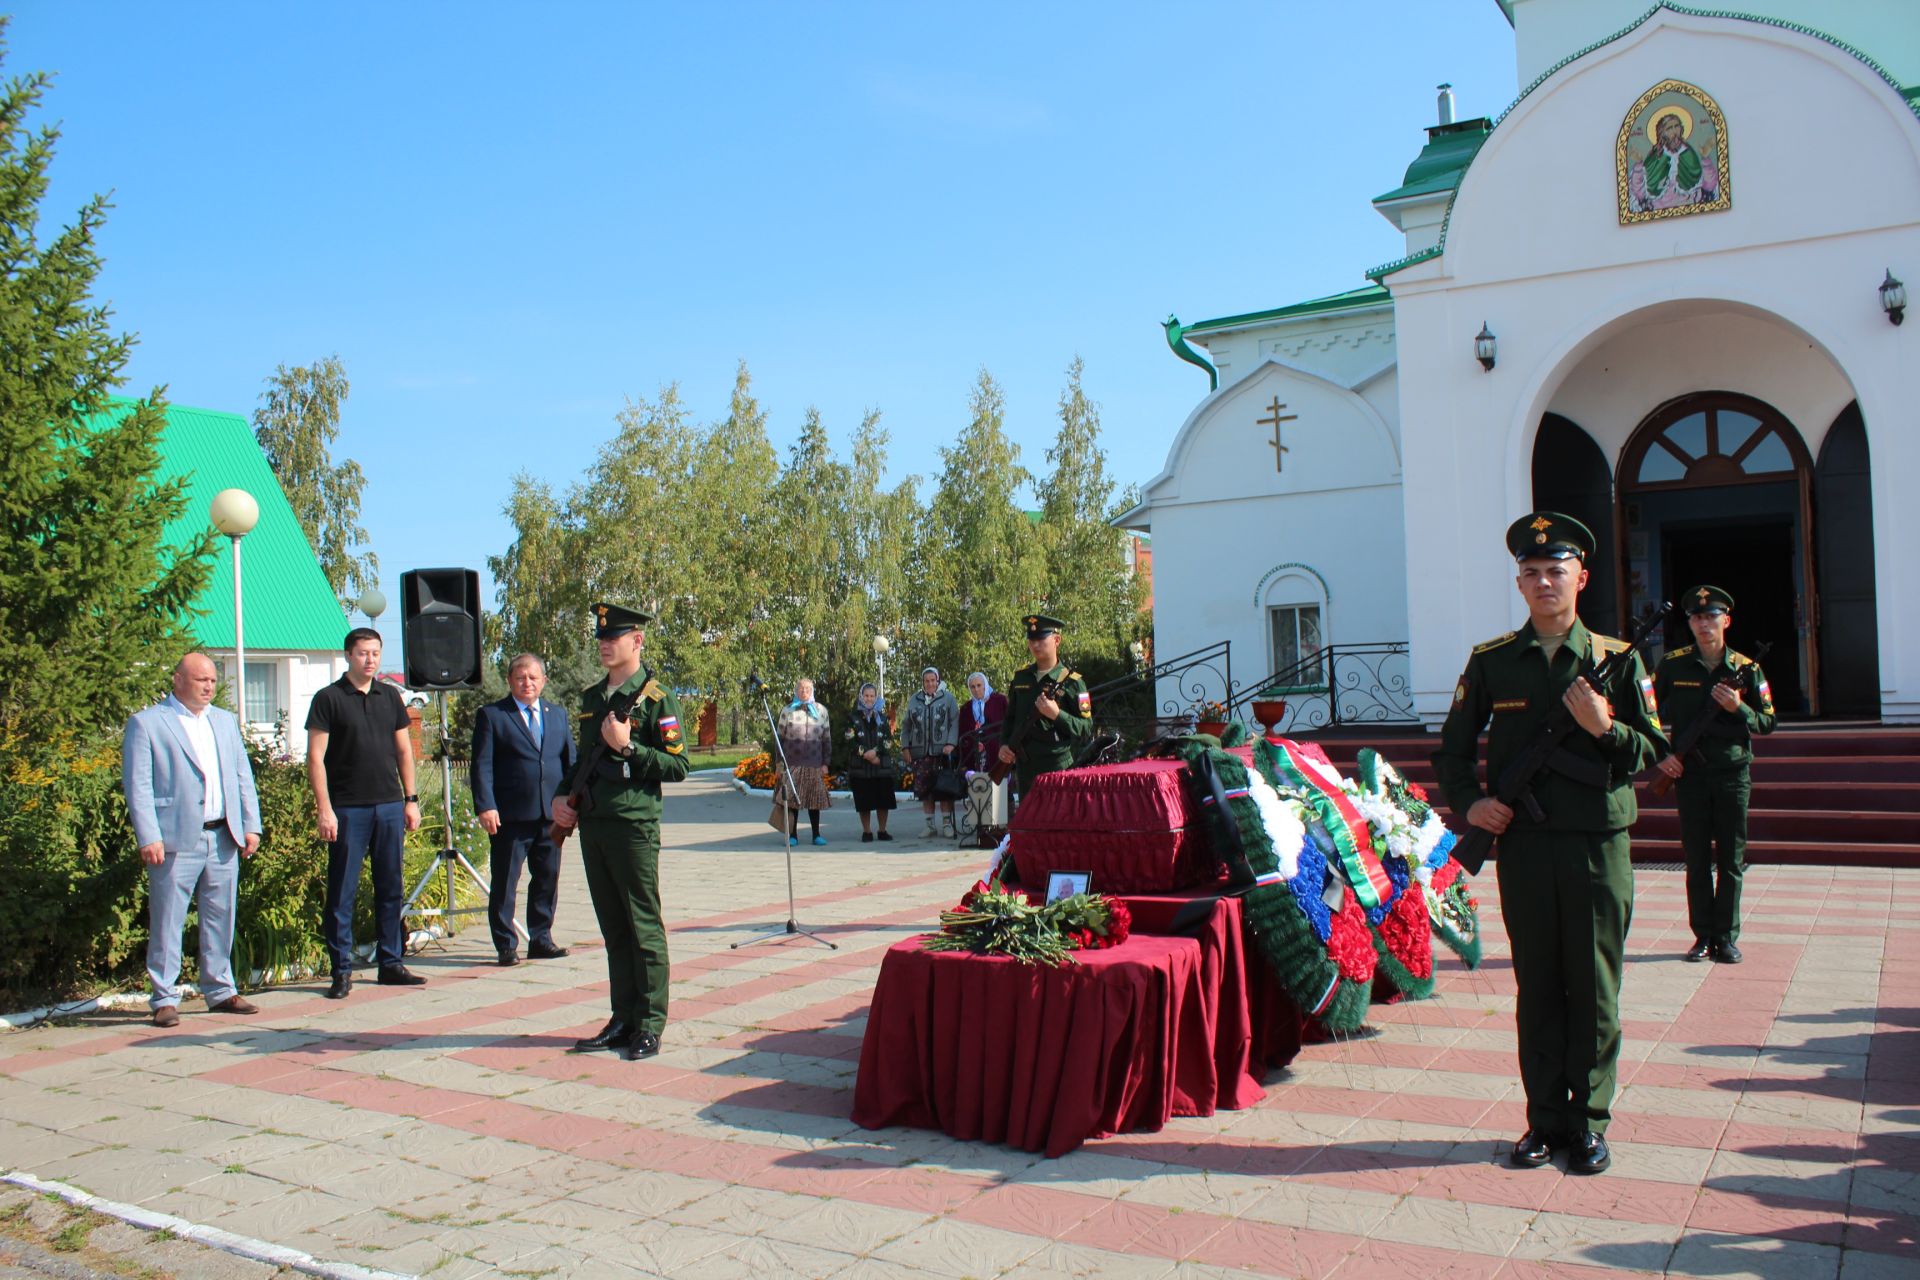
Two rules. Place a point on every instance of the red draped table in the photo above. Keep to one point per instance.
(988, 1049)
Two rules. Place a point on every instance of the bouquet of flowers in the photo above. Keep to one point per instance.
(1210, 710)
(992, 919)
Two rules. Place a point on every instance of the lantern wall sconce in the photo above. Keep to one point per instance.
(1893, 298)
(1485, 346)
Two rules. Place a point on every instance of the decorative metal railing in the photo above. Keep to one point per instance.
(1338, 684)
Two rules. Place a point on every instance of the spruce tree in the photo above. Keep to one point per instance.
(93, 606)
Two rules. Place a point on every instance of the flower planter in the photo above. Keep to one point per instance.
(1214, 727)
(1269, 712)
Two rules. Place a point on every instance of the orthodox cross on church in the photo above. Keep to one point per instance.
(1274, 420)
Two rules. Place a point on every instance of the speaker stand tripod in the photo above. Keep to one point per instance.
(791, 927)
(449, 855)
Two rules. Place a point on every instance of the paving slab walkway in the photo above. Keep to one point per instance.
(1769, 1123)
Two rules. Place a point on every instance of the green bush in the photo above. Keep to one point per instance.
(74, 912)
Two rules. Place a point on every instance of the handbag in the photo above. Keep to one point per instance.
(948, 784)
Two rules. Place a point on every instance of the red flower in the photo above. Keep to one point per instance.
(1418, 792)
(1119, 923)
(1350, 943)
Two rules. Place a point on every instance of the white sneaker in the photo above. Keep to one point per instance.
(948, 831)
(931, 832)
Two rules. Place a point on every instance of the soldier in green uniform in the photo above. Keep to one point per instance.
(1712, 783)
(1054, 727)
(620, 828)
(1566, 882)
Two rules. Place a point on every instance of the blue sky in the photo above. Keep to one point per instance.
(507, 220)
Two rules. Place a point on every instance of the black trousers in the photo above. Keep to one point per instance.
(517, 844)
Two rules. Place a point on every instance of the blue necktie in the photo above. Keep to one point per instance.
(533, 723)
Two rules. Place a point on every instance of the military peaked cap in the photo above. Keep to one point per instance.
(1549, 535)
(1707, 600)
(1039, 624)
(610, 620)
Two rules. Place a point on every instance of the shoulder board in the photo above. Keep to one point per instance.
(1684, 651)
(1738, 659)
(1073, 675)
(1494, 643)
(1604, 645)
(652, 691)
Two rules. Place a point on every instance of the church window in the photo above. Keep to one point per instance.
(1298, 661)
(1711, 439)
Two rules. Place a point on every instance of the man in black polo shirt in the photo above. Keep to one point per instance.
(360, 762)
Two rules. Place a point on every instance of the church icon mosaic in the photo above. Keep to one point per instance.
(1670, 158)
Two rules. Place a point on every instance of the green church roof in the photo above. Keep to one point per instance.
(1365, 296)
(288, 602)
(1450, 149)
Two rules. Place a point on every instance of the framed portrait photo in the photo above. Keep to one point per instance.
(1064, 884)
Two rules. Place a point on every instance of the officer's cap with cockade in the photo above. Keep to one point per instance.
(1039, 624)
(610, 620)
(1704, 599)
(1551, 536)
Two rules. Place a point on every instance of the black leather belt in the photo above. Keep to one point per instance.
(215, 825)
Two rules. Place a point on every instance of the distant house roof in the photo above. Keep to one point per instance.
(288, 602)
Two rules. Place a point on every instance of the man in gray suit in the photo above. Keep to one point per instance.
(190, 793)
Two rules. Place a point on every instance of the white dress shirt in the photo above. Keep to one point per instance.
(199, 729)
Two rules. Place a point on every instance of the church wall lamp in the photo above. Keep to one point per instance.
(1893, 298)
(1486, 347)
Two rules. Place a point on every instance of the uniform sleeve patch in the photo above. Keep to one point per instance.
(1766, 697)
(1086, 703)
(1652, 704)
(1460, 692)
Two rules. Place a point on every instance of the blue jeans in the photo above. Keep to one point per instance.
(211, 871)
(383, 829)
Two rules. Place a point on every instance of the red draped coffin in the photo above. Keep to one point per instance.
(1132, 826)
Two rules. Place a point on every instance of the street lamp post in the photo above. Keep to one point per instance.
(235, 513)
(373, 603)
(881, 648)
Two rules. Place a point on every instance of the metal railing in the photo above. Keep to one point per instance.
(1339, 684)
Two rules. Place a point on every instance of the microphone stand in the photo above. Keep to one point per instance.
(791, 927)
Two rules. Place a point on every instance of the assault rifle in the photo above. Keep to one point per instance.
(581, 797)
(999, 769)
(1515, 785)
(1689, 738)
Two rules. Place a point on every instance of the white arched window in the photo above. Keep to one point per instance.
(1293, 598)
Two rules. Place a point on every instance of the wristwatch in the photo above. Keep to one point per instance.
(413, 799)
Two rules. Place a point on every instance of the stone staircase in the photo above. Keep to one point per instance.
(1826, 795)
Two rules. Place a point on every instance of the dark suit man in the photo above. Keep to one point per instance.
(522, 747)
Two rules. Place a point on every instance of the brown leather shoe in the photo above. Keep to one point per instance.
(234, 1004)
(166, 1016)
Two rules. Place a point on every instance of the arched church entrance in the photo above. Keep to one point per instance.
(1717, 487)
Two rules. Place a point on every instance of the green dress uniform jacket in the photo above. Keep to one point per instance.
(620, 843)
(1566, 882)
(1047, 745)
(1685, 683)
(1714, 792)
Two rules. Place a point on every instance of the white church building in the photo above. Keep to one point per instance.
(1661, 293)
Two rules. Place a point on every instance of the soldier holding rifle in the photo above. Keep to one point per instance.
(630, 742)
(1566, 882)
(1049, 711)
(1720, 699)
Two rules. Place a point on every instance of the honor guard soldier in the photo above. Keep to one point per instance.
(1041, 734)
(1566, 882)
(613, 795)
(1727, 693)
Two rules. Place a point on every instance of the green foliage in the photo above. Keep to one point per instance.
(296, 425)
(92, 605)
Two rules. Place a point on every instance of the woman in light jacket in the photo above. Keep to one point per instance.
(929, 734)
(806, 743)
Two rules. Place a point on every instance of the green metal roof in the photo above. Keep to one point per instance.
(288, 602)
(1366, 296)
(1450, 149)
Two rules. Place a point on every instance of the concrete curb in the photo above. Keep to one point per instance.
(212, 1237)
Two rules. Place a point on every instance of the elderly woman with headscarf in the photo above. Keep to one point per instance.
(981, 716)
(872, 769)
(805, 743)
(929, 735)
